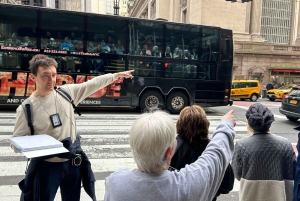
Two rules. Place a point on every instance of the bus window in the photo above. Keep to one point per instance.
(182, 42)
(146, 68)
(60, 31)
(209, 45)
(15, 32)
(106, 36)
(146, 39)
(226, 47)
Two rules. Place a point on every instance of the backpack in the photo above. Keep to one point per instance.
(27, 105)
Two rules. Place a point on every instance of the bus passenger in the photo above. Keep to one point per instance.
(105, 48)
(176, 53)
(119, 49)
(153, 143)
(68, 170)
(145, 51)
(155, 52)
(168, 52)
(66, 44)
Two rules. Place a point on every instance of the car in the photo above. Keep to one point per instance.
(245, 89)
(274, 94)
(290, 105)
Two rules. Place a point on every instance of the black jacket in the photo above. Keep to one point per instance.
(187, 153)
(88, 178)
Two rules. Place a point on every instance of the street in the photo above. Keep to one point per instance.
(105, 140)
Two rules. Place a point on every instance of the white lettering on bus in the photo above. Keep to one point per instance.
(20, 49)
(56, 51)
(86, 53)
(90, 102)
(13, 100)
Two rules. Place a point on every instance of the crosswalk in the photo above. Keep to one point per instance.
(104, 139)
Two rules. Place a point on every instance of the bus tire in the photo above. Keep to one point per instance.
(151, 99)
(176, 101)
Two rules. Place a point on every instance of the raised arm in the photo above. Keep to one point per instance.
(205, 175)
(80, 91)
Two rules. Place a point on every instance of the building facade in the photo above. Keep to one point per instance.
(266, 32)
(93, 6)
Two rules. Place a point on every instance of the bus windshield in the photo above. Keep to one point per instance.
(175, 64)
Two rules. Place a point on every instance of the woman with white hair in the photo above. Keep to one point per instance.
(153, 143)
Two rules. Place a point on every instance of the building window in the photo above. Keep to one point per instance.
(276, 21)
(57, 4)
(38, 3)
(109, 7)
(26, 2)
(153, 10)
(184, 16)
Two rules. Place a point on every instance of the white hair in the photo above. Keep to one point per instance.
(150, 136)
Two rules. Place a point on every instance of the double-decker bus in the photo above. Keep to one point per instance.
(175, 64)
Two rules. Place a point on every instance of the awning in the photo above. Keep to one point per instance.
(286, 70)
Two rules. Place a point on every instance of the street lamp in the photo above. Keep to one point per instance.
(116, 7)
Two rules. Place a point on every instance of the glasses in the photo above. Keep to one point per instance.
(171, 169)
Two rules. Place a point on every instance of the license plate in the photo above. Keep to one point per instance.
(293, 102)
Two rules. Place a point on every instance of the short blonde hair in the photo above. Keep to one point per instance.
(150, 136)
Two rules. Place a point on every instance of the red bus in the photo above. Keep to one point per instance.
(175, 64)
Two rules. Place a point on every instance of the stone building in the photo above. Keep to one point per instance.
(93, 6)
(266, 32)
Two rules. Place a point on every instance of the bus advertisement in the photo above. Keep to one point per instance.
(175, 64)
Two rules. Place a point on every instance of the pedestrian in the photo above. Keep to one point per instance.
(192, 139)
(264, 163)
(153, 143)
(269, 86)
(297, 173)
(46, 174)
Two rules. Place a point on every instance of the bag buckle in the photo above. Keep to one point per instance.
(77, 160)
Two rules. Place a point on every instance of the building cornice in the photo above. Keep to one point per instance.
(266, 49)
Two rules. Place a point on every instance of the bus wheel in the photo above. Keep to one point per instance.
(176, 102)
(151, 99)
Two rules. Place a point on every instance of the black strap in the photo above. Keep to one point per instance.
(68, 98)
(29, 119)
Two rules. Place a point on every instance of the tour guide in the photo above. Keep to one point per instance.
(46, 174)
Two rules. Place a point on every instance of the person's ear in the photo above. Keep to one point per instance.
(169, 153)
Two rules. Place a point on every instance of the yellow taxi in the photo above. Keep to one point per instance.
(273, 94)
(245, 89)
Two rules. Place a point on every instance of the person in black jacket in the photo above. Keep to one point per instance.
(192, 139)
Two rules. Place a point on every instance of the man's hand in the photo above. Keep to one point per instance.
(126, 74)
(229, 116)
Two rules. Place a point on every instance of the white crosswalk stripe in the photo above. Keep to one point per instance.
(104, 139)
